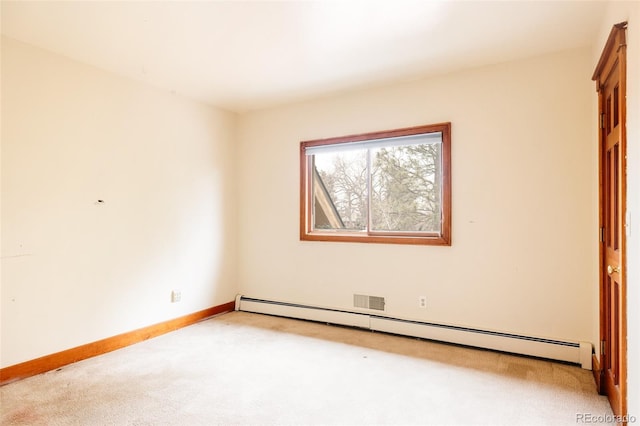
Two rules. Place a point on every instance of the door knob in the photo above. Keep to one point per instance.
(612, 269)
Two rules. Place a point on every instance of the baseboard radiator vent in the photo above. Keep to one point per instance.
(368, 302)
(567, 351)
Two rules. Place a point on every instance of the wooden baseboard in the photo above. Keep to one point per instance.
(60, 359)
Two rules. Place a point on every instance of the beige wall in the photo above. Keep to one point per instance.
(524, 253)
(630, 12)
(523, 260)
(75, 271)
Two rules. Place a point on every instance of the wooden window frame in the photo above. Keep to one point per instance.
(415, 238)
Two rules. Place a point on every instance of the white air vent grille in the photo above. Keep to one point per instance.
(361, 301)
(368, 302)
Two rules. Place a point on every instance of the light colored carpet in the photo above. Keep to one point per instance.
(241, 368)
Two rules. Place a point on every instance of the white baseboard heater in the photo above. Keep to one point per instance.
(567, 351)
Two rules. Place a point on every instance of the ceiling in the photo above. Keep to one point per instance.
(244, 55)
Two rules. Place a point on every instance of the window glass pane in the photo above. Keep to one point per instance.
(406, 193)
(340, 191)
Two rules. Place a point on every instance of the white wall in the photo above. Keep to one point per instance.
(630, 12)
(524, 254)
(75, 271)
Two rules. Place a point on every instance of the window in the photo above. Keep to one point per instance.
(384, 187)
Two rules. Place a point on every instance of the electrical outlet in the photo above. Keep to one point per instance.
(176, 296)
(422, 302)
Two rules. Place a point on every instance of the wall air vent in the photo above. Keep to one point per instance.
(368, 302)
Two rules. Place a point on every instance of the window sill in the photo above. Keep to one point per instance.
(430, 240)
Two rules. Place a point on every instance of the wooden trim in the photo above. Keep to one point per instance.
(597, 372)
(407, 131)
(371, 238)
(411, 238)
(304, 191)
(617, 35)
(447, 191)
(601, 244)
(69, 356)
(622, 63)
